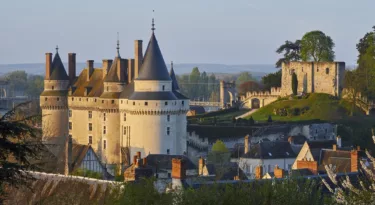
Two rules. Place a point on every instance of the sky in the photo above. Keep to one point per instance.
(193, 31)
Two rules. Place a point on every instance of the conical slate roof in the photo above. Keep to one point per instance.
(174, 80)
(153, 66)
(58, 71)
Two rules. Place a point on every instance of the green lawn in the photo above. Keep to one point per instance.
(319, 106)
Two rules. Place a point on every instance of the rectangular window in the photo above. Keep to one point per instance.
(90, 126)
(90, 139)
(90, 114)
(146, 103)
(104, 130)
(70, 113)
(163, 87)
(70, 126)
(168, 118)
(166, 103)
(183, 102)
(113, 101)
(124, 116)
(133, 103)
(124, 130)
(104, 144)
(168, 130)
(167, 151)
(104, 117)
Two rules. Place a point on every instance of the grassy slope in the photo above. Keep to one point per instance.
(321, 106)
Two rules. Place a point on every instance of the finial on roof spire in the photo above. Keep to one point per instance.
(57, 49)
(118, 45)
(153, 22)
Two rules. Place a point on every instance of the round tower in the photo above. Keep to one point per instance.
(151, 112)
(54, 105)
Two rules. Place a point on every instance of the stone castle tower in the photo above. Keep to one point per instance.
(54, 103)
(126, 106)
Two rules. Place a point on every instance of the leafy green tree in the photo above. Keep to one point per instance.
(244, 77)
(17, 82)
(249, 86)
(203, 88)
(194, 79)
(317, 46)
(291, 52)
(354, 85)
(35, 85)
(272, 80)
(294, 83)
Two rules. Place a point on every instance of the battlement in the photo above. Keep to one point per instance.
(275, 91)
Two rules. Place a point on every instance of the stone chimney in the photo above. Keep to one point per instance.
(107, 63)
(135, 160)
(310, 165)
(334, 147)
(90, 69)
(121, 69)
(201, 166)
(279, 173)
(354, 161)
(130, 70)
(246, 145)
(72, 66)
(259, 172)
(178, 168)
(48, 65)
(338, 141)
(138, 57)
(139, 155)
(145, 161)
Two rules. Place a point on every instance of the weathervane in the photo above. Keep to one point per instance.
(153, 21)
(57, 48)
(118, 45)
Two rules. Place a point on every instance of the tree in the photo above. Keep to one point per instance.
(244, 77)
(294, 83)
(219, 146)
(194, 79)
(272, 80)
(17, 82)
(35, 85)
(19, 144)
(354, 84)
(291, 52)
(317, 46)
(249, 86)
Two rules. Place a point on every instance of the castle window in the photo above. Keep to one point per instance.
(90, 139)
(183, 102)
(58, 99)
(124, 116)
(133, 103)
(90, 126)
(90, 114)
(168, 118)
(146, 103)
(102, 101)
(327, 71)
(45, 99)
(104, 117)
(104, 130)
(107, 88)
(70, 126)
(317, 70)
(113, 101)
(79, 99)
(87, 99)
(53, 87)
(70, 113)
(163, 87)
(72, 99)
(168, 153)
(121, 101)
(95, 100)
(316, 131)
(168, 130)
(124, 130)
(104, 144)
(166, 103)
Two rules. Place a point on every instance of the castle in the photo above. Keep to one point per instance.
(312, 77)
(125, 107)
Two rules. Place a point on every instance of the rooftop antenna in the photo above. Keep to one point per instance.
(118, 45)
(57, 49)
(153, 21)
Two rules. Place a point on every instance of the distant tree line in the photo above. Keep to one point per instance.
(23, 84)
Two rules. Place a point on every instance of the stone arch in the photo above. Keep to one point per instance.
(255, 103)
(228, 93)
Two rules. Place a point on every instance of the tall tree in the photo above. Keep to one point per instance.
(194, 79)
(272, 80)
(354, 85)
(294, 83)
(291, 52)
(317, 46)
(244, 77)
(17, 82)
(249, 86)
(203, 88)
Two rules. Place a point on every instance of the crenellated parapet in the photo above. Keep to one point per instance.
(155, 112)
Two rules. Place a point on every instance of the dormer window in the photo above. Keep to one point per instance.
(53, 87)
(166, 103)
(163, 87)
(146, 103)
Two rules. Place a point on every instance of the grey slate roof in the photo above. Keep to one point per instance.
(57, 69)
(174, 80)
(152, 96)
(164, 161)
(112, 73)
(271, 150)
(128, 91)
(179, 95)
(153, 66)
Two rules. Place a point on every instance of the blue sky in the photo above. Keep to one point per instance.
(193, 31)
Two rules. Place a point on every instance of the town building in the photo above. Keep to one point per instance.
(124, 107)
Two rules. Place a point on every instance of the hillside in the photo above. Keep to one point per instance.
(311, 107)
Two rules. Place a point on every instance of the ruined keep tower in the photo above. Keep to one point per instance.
(53, 102)
(227, 93)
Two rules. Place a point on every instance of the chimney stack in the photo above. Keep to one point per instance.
(107, 63)
(334, 147)
(130, 70)
(354, 161)
(279, 173)
(139, 155)
(121, 69)
(145, 161)
(246, 145)
(201, 166)
(178, 169)
(72, 66)
(135, 159)
(338, 141)
(138, 57)
(48, 65)
(90, 69)
(259, 172)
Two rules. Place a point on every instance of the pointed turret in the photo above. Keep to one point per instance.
(174, 80)
(57, 68)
